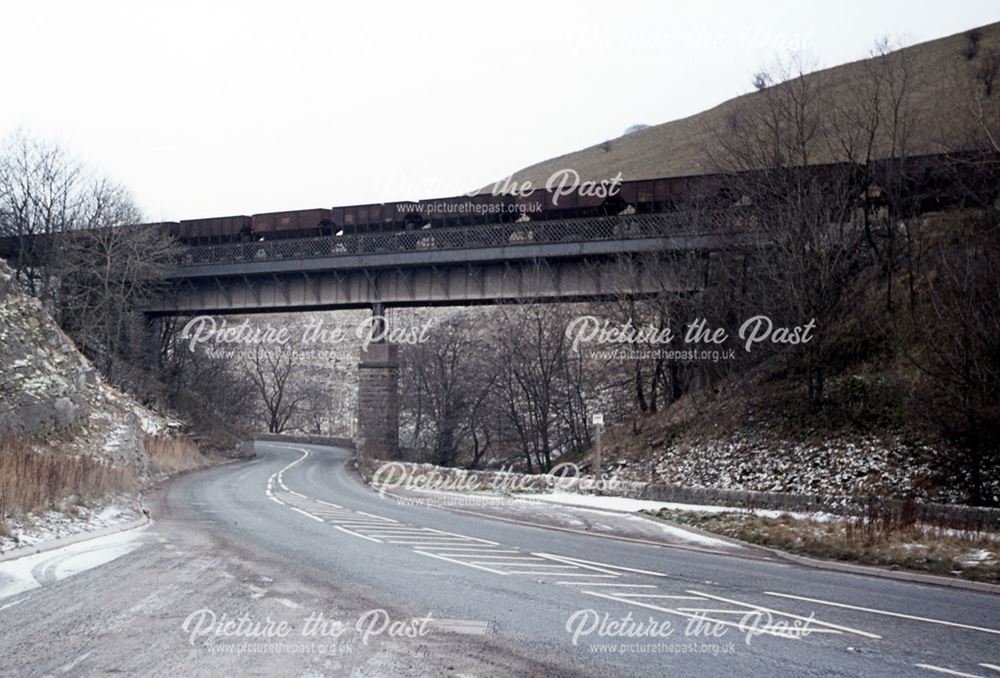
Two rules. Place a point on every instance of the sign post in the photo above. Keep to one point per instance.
(598, 425)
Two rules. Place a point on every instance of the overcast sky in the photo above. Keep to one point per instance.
(212, 108)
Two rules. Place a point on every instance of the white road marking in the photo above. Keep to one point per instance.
(811, 620)
(463, 626)
(991, 667)
(773, 627)
(624, 586)
(659, 595)
(900, 615)
(423, 542)
(372, 515)
(459, 562)
(306, 513)
(394, 531)
(467, 547)
(358, 534)
(463, 536)
(668, 610)
(476, 555)
(950, 672)
(571, 574)
(560, 559)
(326, 503)
(516, 564)
(621, 568)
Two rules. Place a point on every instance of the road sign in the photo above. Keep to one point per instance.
(598, 420)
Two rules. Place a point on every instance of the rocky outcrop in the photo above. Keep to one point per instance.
(49, 390)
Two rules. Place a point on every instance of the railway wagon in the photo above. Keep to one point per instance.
(211, 230)
(468, 210)
(294, 224)
(377, 217)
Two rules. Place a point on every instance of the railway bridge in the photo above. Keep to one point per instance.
(585, 259)
(579, 259)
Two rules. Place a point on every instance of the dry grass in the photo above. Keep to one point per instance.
(173, 454)
(33, 479)
(869, 540)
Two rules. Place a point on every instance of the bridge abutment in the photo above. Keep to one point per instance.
(151, 331)
(378, 402)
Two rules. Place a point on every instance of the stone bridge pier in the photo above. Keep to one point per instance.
(378, 402)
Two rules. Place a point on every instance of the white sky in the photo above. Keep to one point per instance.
(212, 108)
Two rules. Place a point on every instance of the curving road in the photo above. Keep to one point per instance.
(368, 586)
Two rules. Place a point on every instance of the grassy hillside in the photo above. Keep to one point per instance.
(941, 75)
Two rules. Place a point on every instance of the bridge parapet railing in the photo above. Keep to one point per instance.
(621, 227)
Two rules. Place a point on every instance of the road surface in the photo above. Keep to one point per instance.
(289, 565)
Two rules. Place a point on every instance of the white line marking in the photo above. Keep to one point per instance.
(429, 536)
(624, 586)
(560, 559)
(685, 614)
(394, 535)
(459, 562)
(513, 564)
(657, 595)
(567, 574)
(372, 515)
(467, 547)
(773, 627)
(306, 513)
(357, 534)
(476, 555)
(991, 667)
(326, 503)
(885, 612)
(939, 669)
(713, 610)
(608, 565)
(847, 629)
(463, 536)
(464, 626)
(422, 542)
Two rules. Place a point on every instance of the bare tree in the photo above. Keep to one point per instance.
(107, 269)
(271, 368)
(313, 414)
(41, 193)
(447, 382)
(810, 249)
(952, 339)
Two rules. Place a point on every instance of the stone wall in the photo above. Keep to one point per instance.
(331, 441)
(378, 402)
